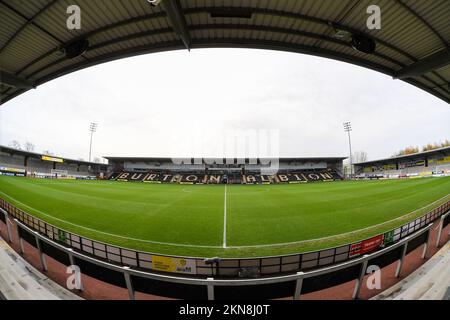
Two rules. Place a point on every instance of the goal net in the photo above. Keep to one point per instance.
(60, 172)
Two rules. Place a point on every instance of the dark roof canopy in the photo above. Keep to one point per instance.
(35, 155)
(445, 151)
(179, 159)
(36, 46)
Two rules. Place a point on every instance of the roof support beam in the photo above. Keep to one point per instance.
(11, 80)
(224, 43)
(430, 63)
(177, 20)
(28, 21)
(425, 22)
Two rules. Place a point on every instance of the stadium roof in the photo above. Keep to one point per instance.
(445, 151)
(165, 159)
(36, 46)
(39, 156)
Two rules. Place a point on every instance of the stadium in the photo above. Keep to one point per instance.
(217, 228)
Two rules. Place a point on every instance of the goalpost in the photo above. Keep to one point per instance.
(60, 173)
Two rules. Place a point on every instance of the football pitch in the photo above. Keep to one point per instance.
(226, 220)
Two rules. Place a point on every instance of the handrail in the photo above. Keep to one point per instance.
(441, 227)
(225, 282)
(210, 283)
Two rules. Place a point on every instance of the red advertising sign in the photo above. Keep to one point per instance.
(371, 244)
(355, 249)
(366, 246)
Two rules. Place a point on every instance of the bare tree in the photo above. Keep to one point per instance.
(360, 156)
(97, 160)
(445, 143)
(15, 145)
(407, 151)
(29, 146)
(48, 152)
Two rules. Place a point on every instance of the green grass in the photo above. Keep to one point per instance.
(261, 219)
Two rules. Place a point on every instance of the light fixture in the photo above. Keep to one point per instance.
(348, 128)
(75, 49)
(154, 3)
(363, 44)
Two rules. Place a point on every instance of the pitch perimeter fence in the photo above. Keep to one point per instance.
(226, 267)
(293, 285)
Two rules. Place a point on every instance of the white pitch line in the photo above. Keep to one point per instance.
(225, 218)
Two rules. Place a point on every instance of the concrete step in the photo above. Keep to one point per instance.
(430, 282)
(21, 281)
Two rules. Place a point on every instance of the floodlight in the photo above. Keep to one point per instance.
(348, 128)
(92, 129)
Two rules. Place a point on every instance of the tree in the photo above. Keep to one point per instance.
(432, 146)
(97, 160)
(359, 156)
(406, 151)
(29, 146)
(48, 152)
(15, 145)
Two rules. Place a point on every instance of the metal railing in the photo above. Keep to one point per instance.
(445, 220)
(211, 286)
(226, 267)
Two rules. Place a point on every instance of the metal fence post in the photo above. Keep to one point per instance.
(71, 260)
(129, 283)
(72, 263)
(41, 254)
(425, 248)
(8, 226)
(21, 247)
(210, 287)
(400, 262)
(361, 278)
(298, 286)
(441, 224)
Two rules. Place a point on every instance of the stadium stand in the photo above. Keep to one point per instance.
(252, 178)
(424, 164)
(19, 280)
(429, 282)
(189, 171)
(23, 163)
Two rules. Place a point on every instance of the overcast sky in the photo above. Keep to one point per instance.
(183, 103)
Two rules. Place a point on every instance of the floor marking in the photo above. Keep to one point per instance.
(225, 218)
(229, 247)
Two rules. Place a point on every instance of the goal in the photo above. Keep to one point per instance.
(58, 172)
